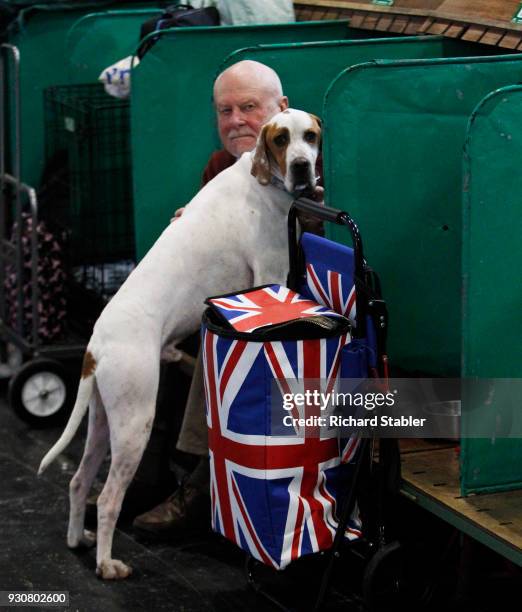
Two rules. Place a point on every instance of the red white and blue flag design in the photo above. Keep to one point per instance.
(274, 497)
(329, 274)
(264, 306)
(332, 289)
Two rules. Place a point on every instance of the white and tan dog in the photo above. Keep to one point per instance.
(232, 235)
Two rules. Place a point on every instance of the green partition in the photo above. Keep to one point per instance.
(324, 60)
(100, 39)
(171, 111)
(40, 36)
(492, 289)
(393, 159)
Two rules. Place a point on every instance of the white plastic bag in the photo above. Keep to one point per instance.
(116, 78)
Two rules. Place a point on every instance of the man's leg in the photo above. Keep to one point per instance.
(189, 507)
(193, 435)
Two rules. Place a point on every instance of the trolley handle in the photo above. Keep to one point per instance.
(325, 213)
(339, 217)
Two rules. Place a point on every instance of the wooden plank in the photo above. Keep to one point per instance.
(436, 473)
(384, 23)
(318, 14)
(305, 14)
(357, 19)
(404, 7)
(415, 445)
(414, 25)
(454, 31)
(399, 24)
(427, 24)
(439, 27)
(474, 33)
(499, 10)
(370, 21)
(492, 36)
(510, 40)
(337, 14)
(489, 13)
(426, 5)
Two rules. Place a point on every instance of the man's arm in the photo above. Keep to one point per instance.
(219, 161)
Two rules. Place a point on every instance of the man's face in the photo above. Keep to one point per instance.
(241, 111)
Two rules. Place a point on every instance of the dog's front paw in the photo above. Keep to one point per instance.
(113, 569)
(87, 540)
(171, 354)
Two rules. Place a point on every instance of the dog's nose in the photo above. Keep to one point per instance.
(300, 164)
(300, 168)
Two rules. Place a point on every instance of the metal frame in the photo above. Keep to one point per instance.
(499, 545)
(11, 252)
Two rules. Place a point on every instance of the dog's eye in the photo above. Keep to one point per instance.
(310, 137)
(281, 140)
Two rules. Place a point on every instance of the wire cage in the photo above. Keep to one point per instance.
(88, 155)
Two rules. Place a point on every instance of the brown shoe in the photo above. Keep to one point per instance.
(138, 499)
(186, 510)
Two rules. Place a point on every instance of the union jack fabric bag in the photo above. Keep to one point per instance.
(275, 496)
(328, 279)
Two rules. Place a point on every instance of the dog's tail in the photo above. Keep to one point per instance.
(85, 390)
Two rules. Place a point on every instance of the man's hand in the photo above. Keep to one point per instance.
(309, 223)
(177, 214)
(319, 195)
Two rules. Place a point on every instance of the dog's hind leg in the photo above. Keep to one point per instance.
(130, 421)
(127, 447)
(95, 450)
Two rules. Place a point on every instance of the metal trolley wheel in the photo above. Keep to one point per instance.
(396, 577)
(40, 392)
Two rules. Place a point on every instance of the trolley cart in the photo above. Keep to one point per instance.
(40, 388)
(339, 276)
(376, 567)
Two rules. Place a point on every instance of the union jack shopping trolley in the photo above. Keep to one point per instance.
(284, 485)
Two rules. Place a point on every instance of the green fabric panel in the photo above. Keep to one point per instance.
(41, 42)
(173, 123)
(101, 39)
(306, 69)
(393, 158)
(490, 465)
(492, 297)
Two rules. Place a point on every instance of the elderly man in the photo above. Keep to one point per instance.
(246, 95)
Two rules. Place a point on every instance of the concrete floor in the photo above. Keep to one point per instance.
(205, 574)
(200, 574)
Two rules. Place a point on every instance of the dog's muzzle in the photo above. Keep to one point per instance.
(301, 173)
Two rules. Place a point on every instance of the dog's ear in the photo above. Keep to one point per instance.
(320, 125)
(318, 119)
(261, 163)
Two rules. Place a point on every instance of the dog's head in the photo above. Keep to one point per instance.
(287, 148)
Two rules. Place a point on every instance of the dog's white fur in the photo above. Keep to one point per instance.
(232, 235)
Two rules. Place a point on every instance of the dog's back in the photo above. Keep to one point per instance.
(210, 249)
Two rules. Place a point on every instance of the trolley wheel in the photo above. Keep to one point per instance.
(40, 392)
(250, 568)
(396, 578)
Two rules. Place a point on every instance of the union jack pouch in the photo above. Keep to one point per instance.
(273, 495)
